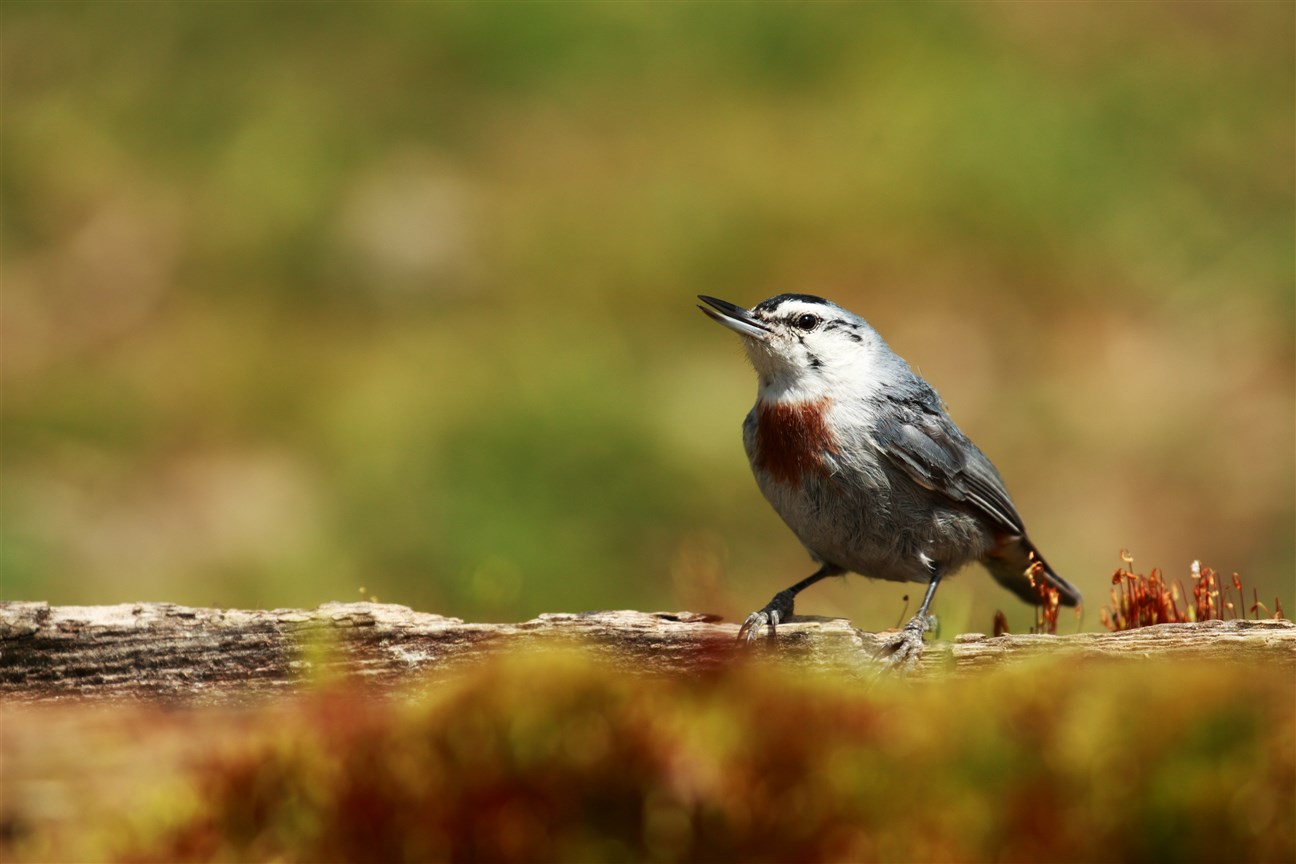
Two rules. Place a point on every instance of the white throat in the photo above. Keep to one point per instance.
(841, 374)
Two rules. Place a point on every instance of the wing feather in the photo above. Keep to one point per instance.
(921, 440)
(917, 436)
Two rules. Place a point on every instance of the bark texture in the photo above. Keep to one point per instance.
(159, 650)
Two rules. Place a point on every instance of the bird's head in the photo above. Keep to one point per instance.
(805, 347)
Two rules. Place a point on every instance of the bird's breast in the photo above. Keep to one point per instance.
(791, 439)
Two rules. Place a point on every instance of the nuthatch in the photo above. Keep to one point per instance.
(856, 453)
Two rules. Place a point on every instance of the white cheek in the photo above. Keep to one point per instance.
(845, 371)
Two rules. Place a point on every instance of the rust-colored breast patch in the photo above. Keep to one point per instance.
(791, 439)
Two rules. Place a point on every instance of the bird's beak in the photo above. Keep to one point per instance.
(734, 317)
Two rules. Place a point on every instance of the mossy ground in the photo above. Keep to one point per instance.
(555, 758)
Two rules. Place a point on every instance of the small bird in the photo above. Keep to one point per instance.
(856, 453)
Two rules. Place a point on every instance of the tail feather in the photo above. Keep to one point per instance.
(1010, 563)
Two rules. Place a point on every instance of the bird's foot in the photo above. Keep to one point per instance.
(902, 651)
(775, 612)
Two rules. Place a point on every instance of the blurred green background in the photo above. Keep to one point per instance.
(305, 298)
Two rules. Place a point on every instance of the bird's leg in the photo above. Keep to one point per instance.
(902, 651)
(779, 609)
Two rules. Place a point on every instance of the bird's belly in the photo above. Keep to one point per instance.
(853, 513)
(873, 529)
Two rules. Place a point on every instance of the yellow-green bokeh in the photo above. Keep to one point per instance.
(300, 298)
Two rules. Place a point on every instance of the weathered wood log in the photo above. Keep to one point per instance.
(159, 650)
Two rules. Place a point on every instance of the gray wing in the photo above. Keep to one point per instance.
(918, 437)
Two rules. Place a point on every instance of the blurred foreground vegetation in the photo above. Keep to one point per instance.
(554, 758)
(304, 298)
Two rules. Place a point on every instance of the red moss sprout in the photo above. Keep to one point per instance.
(1142, 601)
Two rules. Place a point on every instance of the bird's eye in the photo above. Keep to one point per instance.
(807, 321)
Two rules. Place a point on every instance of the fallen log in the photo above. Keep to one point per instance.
(160, 650)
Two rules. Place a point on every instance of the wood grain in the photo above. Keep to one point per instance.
(164, 651)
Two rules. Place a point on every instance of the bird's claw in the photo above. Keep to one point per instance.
(750, 630)
(775, 612)
(902, 651)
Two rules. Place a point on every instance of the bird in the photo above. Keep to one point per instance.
(858, 455)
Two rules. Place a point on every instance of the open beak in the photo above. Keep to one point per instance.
(734, 317)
